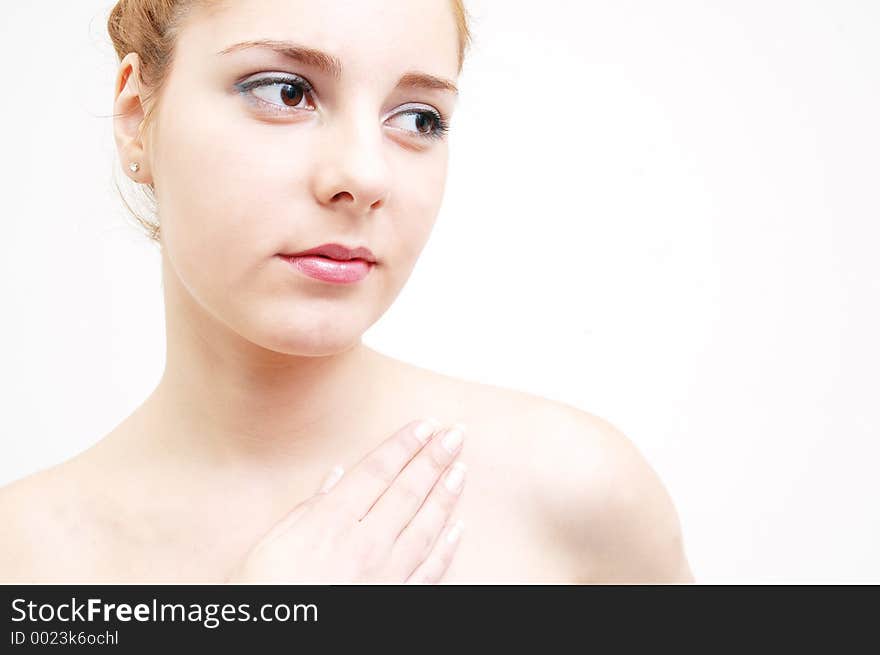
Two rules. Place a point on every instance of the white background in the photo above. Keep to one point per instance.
(687, 196)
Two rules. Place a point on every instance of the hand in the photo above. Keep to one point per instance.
(378, 524)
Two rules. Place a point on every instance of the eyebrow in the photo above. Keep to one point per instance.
(331, 65)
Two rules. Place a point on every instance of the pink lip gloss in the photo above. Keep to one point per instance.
(331, 270)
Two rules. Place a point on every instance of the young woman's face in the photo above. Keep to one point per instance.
(255, 154)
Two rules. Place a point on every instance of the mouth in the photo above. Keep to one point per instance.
(337, 252)
(332, 259)
(329, 269)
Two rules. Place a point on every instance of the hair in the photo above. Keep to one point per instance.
(150, 28)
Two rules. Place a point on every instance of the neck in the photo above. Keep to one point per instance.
(227, 401)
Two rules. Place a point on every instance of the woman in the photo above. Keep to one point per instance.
(268, 130)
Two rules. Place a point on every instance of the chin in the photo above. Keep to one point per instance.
(302, 338)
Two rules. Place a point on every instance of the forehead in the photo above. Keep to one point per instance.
(367, 36)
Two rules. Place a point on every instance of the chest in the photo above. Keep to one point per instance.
(498, 546)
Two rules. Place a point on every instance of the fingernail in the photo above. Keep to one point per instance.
(452, 439)
(332, 478)
(455, 477)
(453, 535)
(426, 428)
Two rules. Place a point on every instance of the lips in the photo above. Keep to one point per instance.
(338, 252)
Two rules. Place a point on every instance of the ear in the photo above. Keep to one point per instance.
(128, 116)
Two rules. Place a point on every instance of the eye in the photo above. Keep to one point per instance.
(428, 123)
(283, 94)
(287, 90)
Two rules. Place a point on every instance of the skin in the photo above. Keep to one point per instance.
(267, 384)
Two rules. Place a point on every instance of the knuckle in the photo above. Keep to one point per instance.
(446, 499)
(404, 448)
(380, 468)
(444, 557)
(410, 496)
(337, 511)
(422, 539)
(409, 441)
(438, 458)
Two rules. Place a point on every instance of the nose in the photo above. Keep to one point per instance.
(352, 174)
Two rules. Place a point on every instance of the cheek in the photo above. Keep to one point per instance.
(222, 212)
(420, 193)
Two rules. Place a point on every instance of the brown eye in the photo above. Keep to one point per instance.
(428, 123)
(277, 91)
(425, 122)
(280, 94)
(292, 94)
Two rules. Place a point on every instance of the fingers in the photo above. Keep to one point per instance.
(356, 492)
(399, 504)
(432, 570)
(419, 537)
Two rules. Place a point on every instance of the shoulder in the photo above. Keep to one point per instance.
(42, 526)
(22, 513)
(583, 485)
(599, 498)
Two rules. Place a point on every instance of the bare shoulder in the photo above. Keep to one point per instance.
(42, 526)
(601, 497)
(581, 483)
(25, 519)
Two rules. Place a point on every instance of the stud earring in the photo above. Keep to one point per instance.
(134, 167)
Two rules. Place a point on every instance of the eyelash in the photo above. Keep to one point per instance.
(438, 132)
